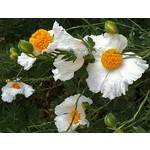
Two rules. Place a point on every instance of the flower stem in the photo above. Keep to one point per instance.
(135, 115)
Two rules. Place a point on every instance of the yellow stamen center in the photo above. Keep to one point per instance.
(15, 85)
(111, 59)
(74, 113)
(41, 39)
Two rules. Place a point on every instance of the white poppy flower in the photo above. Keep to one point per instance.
(66, 111)
(113, 71)
(57, 38)
(11, 89)
(65, 69)
(48, 41)
(26, 61)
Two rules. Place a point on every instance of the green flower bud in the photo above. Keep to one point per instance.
(111, 27)
(110, 120)
(14, 56)
(85, 105)
(13, 50)
(25, 47)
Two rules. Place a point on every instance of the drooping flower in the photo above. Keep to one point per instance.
(67, 112)
(113, 70)
(11, 89)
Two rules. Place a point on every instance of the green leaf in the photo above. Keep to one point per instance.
(91, 42)
(67, 55)
(139, 129)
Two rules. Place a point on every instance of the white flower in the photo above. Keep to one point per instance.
(57, 38)
(113, 71)
(11, 89)
(48, 41)
(66, 110)
(65, 69)
(26, 61)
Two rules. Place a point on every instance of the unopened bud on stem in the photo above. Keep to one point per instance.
(111, 27)
(110, 120)
(25, 47)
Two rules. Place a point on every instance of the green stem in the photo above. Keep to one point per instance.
(135, 115)
(39, 125)
(133, 86)
(84, 26)
(137, 25)
(131, 125)
(19, 73)
(100, 108)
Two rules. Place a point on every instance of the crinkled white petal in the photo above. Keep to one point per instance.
(9, 94)
(62, 123)
(96, 76)
(64, 109)
(77, 46)
(110, 83)
(84, 122)
(65, 69)
(26, 61)
(113, 86)
(6, 97)
(27, 89)
(107, 41)
(132, 68)
(64, 41)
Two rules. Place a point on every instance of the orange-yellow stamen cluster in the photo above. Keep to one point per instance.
(111, 59)
(74, 113)
(41, 39)
(15, 85)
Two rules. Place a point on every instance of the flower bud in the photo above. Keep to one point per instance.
(110, 120)
(85, 105)
(14, 56)
(111, 27)
(13, 50)
(25, 47)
